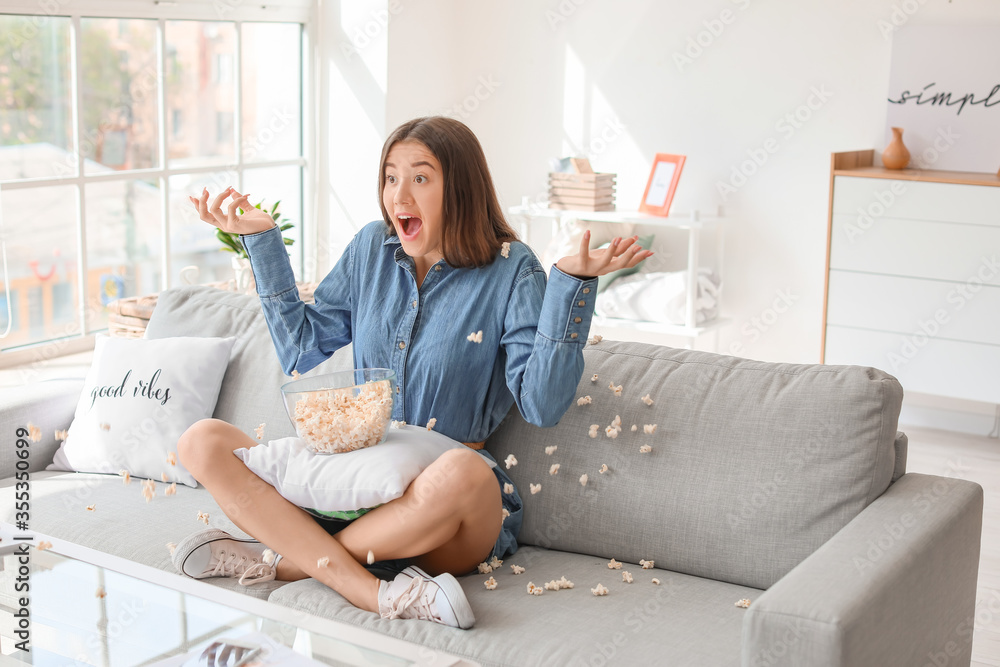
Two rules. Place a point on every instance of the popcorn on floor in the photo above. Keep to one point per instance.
(490, 584)
(430, 423)
(172, 458)
(593, 378)
(634, 428)
(645, 449)
(126, 477)
(593, 430)
(91, 508)
(371, 557)
(510, 461)
(171, 490)
(647, 400)
(203, 517)
(584, 479)
(646, 564)
(476, 337)
(505, 249)
(564, 582)
(485, 568)
(535, 488)
(268, 557)
(552, 585)
(495, 563)
(259, 431)
(584, 400)
(604, 468)
(600, 590)
(34, 432)
(627, 577)
(656, 582)
(533, 589)
(554, 469)
(617, 390)
(551, 449)
(611, 432)
(171, 547)
(508, 487)
(744, 603)
(43, 545)
(614, 565)
(649, 428)
(517, 569)
(323, 562)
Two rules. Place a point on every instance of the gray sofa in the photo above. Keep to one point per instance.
(780, 483)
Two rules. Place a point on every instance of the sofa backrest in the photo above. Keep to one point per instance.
(753, 465)
(251, 389)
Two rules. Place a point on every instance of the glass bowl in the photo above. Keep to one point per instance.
(341, 412)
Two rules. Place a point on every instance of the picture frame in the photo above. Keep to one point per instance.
(662, 184)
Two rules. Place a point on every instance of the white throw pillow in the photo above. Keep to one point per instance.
(348, 484)
(139, 397)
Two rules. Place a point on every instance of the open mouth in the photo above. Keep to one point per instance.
(409, 226)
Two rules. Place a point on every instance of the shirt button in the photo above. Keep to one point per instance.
(437, 267)
(586, 290)
(402, 345)
(578, 319)
(574, 335)
(581, 303)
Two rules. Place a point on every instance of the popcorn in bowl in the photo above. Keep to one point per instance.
(341, 412)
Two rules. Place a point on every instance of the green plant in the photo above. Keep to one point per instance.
(231, 241)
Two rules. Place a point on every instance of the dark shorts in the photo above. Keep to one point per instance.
(505, 545)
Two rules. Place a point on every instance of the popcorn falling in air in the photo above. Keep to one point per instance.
(44, 545)
(371, 557)
(126, 477)
(430, 423)
(593, 430)
(203, 517)
(397, 424)
(656, 582)
(171, 547)
(584, 479)
(634, 428)
(646, 564)
(595, 339)
(584, 400)
(552, 585)
(163, 476)
(627, 577)
(504, 513)
(647, 400)
(100, 592)
(91, 508)
(105, 427)
(593, 378)
(554, 469)
(600, 590)
(517, 569)
(490, 584)
(268, 557)
(744, 603)
(604, 468)
(485, 568)
(535, 488)
(148, 489)
(476, 337)
(508, 487)
(172, 458)
(323, 562)
(62, 435)
(551, 449)
(510, 461)
(533, 589)
(649, 428)
(611, 432)
(495, 563)
(614, 565)
(505, 250)
(259, 431)
(645, 449)
(34, 433)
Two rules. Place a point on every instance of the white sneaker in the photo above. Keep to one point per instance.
(416, 594)
(216, 553)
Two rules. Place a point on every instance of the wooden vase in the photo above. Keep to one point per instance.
(895, 155)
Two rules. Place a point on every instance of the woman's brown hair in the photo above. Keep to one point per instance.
(474, 228)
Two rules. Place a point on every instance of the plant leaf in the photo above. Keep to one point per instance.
(288, 241)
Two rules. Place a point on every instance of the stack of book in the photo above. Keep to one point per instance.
(582, 192)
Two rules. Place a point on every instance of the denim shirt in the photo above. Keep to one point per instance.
(533, 333)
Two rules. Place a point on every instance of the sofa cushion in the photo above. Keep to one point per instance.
(250, 393)
(683, 621)
(753, 465)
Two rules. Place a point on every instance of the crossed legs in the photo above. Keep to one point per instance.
(449, 517)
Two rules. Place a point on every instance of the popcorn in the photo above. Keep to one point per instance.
(645, 449)
(163, 476)
(564, 582)
(62, 435)
(396, 424)
(490, 583)
(617, 390)
(430, 423)
(504, 513)
(744, 603)
(604, 468)
(533, 589)
(476, 337)
(510, 461)
(535, 488)
(203, 517)
(583, 479)
(495, 563)
(551, 449)
(617, 422)
(259, 431)
(600, 590)
(323, 562)
(614, 565)
(656, 582)
(611, 432)
(646, 564)
(148, 489)
(593, 378)
(126, 477)
(34, 433)
(584, 400)
(554, 469)
(100, 592)
(172, 458)
(627, 577)
(517, 569)
(595, 339)
(91, 508)
(338, 420)
(485, 568)
(634, 428)
(593, 430)
(508, 487)
(505, 249)
(171, 547)
(647, 400)
(105, 427)
(43, 545)
(649, 428)
(268, 557)
(171, 490)
(295, 373)
(371, 557)
(552, 585)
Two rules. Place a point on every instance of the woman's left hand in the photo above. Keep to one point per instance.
(620, 254)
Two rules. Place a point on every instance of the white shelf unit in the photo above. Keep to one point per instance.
(694, 223)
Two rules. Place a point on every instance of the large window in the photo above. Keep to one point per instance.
(106, 126)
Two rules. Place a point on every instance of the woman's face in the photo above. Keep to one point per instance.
(413, 196)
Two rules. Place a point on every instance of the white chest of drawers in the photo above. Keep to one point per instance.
(913, 276)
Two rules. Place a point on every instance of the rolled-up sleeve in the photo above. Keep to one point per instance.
(304, 335)
(545, 331)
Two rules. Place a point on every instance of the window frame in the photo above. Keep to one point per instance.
(302, 12)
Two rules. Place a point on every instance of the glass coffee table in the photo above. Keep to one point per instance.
(147, 616)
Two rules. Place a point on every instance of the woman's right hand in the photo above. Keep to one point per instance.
(252, 221)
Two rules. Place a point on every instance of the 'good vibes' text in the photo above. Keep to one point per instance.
(145, 389)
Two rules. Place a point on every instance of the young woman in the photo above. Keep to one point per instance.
(407, 291)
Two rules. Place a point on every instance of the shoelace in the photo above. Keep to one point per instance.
(229, 565)
(409, 599)
(258, 574)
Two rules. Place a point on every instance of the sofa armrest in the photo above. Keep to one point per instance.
(50, 405)
(895, 586)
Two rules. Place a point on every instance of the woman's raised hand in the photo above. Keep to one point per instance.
(252, 221)
(620, 254)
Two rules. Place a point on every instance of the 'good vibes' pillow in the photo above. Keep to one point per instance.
(139, 397)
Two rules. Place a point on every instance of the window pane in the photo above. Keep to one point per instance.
(200, 89)
(272, 91)
(284, 185)
(40, 225)
(119, 94)
(36, 122)
(193, 242)
(123, 244)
